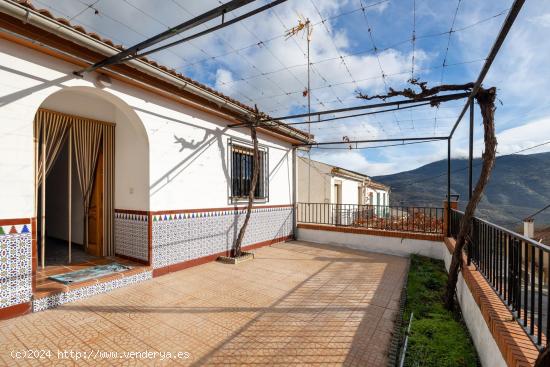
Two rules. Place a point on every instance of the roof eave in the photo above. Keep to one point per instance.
(26, 13)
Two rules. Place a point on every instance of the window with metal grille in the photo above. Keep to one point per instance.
(242, 166)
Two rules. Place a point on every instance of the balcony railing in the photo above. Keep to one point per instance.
(517, 269)
(383, 217)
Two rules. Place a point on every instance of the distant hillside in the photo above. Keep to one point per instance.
(519, 186)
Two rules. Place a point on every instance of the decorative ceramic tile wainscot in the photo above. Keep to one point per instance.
(15, 264)
(179, 237)
(131, 234)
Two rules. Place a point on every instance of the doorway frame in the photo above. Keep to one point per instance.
(107, 182)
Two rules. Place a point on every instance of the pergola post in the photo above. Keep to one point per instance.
(294, 201)
(43, 198)
(70, 195)
(471, 151)
(449, 186)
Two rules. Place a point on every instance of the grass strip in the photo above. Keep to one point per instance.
(438, 337)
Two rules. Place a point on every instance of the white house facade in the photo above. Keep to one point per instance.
(323, 183)
(174, 173)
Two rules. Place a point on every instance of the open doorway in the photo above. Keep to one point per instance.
(58, 218)
(74, 171)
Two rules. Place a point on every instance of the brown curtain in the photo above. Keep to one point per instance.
(109, 192)
(87, 140)
(50, 129)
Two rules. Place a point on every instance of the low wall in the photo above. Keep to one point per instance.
(395, 245)
(486, 346)
(176, 237)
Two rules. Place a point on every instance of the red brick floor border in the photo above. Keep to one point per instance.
(15, 310)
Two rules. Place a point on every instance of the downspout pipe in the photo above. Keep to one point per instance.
(29, 16)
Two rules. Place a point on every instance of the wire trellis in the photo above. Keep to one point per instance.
(326, 91)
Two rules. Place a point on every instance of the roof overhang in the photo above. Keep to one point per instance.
(22, 19)
(356, 176)
(337, 171)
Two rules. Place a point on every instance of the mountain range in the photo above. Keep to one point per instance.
(519, 186)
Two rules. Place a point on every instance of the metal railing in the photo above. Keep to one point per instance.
(384, 217)
(517, 269)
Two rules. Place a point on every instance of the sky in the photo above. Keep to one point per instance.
(356, 45)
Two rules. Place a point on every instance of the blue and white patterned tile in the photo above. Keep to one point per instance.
(202, 234)
(15, 267)
(131, 235)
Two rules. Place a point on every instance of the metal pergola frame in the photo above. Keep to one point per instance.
(469, 104)
(220, 11)
(508, 22)
(134, 52)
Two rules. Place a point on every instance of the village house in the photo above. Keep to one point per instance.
(319, 182)
(343, 196)
(137, 162)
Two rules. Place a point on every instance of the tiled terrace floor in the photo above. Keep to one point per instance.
(295, 303)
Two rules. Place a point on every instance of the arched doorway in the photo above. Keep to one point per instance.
(89, 171)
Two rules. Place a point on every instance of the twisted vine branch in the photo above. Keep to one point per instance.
(237, 248)
(423, 93)
(486, 100)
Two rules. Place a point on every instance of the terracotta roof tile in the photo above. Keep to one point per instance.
(47, 13)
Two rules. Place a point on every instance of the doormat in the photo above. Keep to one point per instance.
(89, 273)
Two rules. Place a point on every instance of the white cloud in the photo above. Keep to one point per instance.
(277, 90)
(223, 77)
(525, 136)
(352, 160)
(348, 159)
(517, 138)
(396, 159)
(543, 20)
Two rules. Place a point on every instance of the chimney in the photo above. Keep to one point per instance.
(529, 227)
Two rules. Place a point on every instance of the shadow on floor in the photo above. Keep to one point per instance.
(332, 307)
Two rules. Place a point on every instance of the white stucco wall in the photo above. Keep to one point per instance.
(318, 189)
(349, 190)
(321, 186)
(387, 245)
(131, 143)
(193, 172)
(185, 174)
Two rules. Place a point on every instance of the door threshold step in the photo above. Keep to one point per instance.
(52, 294)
